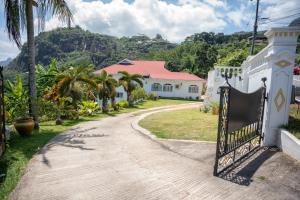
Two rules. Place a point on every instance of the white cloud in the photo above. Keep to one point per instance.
(240, 16)
(7, 47)
(279, 12)
(119, 18)
(217, 3)
(174, 21)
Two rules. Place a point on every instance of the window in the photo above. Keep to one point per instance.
(119, 95)
(193, 89)
(168, 88)
(156, 87)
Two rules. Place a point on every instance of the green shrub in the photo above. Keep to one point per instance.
(123, 104)
(204, 109)
(138, 94)
(47, 110)
(152, 96)
(16, 100)
(70, 113)
(88, 108)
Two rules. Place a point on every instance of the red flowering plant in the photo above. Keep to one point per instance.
(296, 70)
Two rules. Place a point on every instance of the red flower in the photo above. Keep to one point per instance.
(296, 70)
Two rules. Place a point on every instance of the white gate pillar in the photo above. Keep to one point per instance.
(280, 62)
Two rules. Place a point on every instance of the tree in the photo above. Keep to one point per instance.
(16, 98)
(19, 13)
(68, 82)
(113, 95)
(46, 76)
(129, 83)
(106, 88)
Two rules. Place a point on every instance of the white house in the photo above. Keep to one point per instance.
(158, 80)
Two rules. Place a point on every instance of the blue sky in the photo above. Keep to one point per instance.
(173, 19)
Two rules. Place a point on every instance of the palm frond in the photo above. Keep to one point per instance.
(88, 80)
(139, 81)
(12, 14)
(57, 7)
(124, 73)
(64, 85)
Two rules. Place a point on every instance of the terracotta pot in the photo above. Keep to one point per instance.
(24, 126)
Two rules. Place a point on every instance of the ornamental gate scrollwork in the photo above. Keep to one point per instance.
(240, 125)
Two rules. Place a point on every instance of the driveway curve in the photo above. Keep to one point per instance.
(108, 159)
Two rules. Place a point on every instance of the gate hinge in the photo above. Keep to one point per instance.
(267, 96)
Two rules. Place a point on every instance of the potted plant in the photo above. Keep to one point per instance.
(18, 107)
(23, 123)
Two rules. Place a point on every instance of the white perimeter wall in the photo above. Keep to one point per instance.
(215, 80)
(296, 81)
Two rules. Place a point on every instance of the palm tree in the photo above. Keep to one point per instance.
(113, 95)
(19, 13)
(68, 85)
(106, 88)
(129, 82)
(68, 82)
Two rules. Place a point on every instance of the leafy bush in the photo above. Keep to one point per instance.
(204, 109)
(138, 94)
(88, 108)
(152, 96)
(16, 100)
(47, 110)
(70, 113)
(123, 104)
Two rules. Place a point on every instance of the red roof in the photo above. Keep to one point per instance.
(153, 69)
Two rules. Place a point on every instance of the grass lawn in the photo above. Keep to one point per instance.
(183, 124)
(294, 121)
(20, 150)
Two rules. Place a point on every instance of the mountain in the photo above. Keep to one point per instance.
(5, 62)
(75, 46)
(197, 54)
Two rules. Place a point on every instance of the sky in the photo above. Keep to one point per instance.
(173, 19)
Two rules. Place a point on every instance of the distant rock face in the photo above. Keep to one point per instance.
(295, 22)
(76, 46)
(4, 63)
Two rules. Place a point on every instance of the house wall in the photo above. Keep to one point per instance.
(180, 88)
(179, 91)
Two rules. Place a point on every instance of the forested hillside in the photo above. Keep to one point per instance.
(78, 47)
(197, 54)
(200, 52)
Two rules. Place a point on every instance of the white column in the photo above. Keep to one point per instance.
(280, 62)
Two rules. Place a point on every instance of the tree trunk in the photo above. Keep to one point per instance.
(105, 105)
(113, 103)
(31, 63)
(58, 120)
(129, 99)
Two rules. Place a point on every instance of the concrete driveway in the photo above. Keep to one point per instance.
(108, 159)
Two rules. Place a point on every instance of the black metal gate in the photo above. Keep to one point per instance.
(2, 114)
(240, 125)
